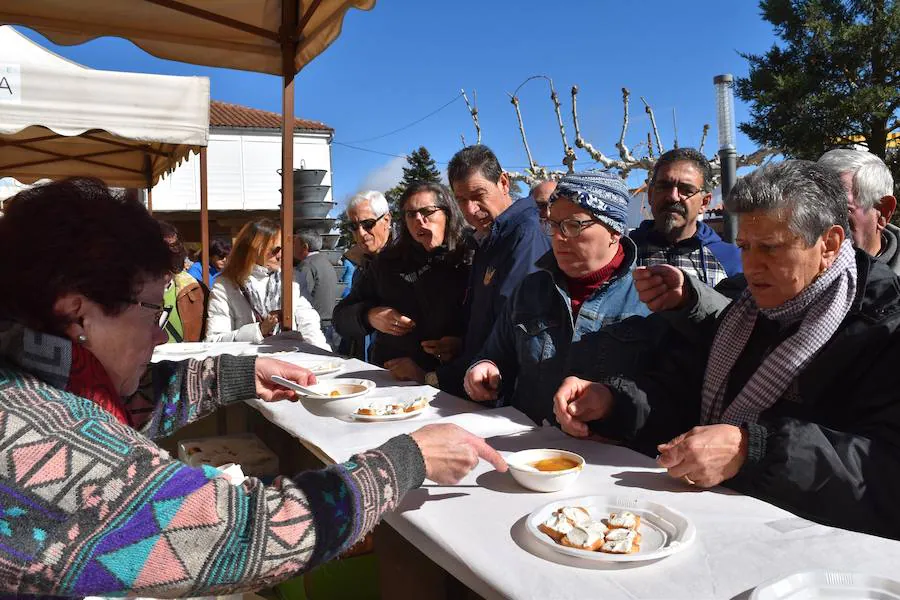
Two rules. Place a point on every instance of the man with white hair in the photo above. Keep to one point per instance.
(369, 221)
(870, 202)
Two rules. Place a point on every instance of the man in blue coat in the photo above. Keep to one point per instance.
(679, 192)
(510, 241)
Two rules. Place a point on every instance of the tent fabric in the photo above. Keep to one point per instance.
(129, 128)
(236, 34)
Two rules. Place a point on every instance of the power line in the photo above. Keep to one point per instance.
(416, 122)
(439, 162)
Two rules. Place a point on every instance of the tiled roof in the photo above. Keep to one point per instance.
(224, 114)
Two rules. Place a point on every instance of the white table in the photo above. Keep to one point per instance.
(475, 530)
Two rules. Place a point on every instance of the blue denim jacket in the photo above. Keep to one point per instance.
(535, 338)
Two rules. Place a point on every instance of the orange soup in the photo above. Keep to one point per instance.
(558, 463)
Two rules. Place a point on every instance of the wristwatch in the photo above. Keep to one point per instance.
(431, 379)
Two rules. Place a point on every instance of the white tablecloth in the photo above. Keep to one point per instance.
(475, 529)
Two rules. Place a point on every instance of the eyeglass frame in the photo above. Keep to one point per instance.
(432, 209)
(681, 196)
(548, 225)
(367, 224)
(162, 312)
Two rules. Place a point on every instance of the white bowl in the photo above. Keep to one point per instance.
(347, 401)
(543, 481)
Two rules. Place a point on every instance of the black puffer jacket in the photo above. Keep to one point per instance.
(427, 287)
(830, 449)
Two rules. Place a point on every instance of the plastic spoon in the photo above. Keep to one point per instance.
(296, 386)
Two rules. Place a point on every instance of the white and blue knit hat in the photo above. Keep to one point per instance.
(602, 194)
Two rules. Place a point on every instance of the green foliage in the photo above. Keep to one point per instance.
(420, 167)
(832, 80)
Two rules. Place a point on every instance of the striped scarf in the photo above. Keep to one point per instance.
(820, 308)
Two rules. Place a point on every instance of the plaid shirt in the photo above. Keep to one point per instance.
(689, 256)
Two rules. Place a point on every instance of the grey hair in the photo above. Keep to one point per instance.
(312, 239)
(807, 193)
(872, 179)
(377, 202)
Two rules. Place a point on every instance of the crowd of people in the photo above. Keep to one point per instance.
(761, 366)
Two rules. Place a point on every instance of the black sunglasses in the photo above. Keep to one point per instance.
(367, 224)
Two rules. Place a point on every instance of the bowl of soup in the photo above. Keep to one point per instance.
(545, 469)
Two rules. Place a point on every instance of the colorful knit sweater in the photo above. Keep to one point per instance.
(89, 506)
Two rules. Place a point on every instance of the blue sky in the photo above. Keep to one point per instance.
(406, 58)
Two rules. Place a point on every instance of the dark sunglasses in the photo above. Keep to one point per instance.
(367, 224)
(425, 212)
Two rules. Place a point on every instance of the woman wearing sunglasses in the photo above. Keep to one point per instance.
(582, 285)
(90, 504)
(245, 302)
(412, 294)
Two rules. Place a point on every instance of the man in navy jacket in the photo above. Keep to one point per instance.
(510, 241)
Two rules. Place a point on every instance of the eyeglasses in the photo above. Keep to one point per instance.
(367, 224)
(684, 191)
(569, 228)
(162, 312)
(275, 251)
(425, 212)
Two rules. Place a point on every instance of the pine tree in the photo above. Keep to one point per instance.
(833, 80)
(420, 167)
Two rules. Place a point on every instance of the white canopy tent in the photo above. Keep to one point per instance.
(59, 119)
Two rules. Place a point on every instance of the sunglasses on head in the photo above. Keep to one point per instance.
(367, 224)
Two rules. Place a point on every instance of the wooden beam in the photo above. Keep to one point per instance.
(289, 19)
(137, 147)
(148, 173)
(216, 18)
(86, 158)
(204, 217)
(306, 17)
(46, 138)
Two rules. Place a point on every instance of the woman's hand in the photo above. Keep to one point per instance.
(267, 325)
(705, 456)
(272, 392)
(390, 321)
(577, 402)
(445, 349)
(482, 382)
(450, 452)
(405, 369)
(660, 287)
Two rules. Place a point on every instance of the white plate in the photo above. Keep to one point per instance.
(183, 348)
(397, 417)
(325, 367)
(326, 387)
(663, 531)
(834, 585)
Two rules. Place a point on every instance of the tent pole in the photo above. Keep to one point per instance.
(289, 18)
(148, 171)
(204, 218)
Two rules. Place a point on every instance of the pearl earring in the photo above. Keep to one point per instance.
(82, 339)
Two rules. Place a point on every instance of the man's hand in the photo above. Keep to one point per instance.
(705, 456)
(578, 402)
(450, 452)
(272, 392)
(660, 287)
(482, 382)
(445, 349)
(389, 320)
(405, 369)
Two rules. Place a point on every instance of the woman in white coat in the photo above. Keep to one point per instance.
(245, 301)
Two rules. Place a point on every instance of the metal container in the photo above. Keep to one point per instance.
(310, 193)
(330, 240)
(307, 176)
(334, 256)
(312, 210)
(321, 226)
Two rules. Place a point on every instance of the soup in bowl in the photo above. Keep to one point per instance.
(545, 469)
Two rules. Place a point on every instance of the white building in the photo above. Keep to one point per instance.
(243, 157)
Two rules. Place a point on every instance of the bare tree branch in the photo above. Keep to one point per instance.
(473, 110)
(624, 154)
(515, 102)
(462, 138)
(649, 111)
(703, 136)
(569, 157)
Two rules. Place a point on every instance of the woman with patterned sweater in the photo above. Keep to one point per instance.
(89, 505)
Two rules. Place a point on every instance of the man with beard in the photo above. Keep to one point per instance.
(679, 191)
